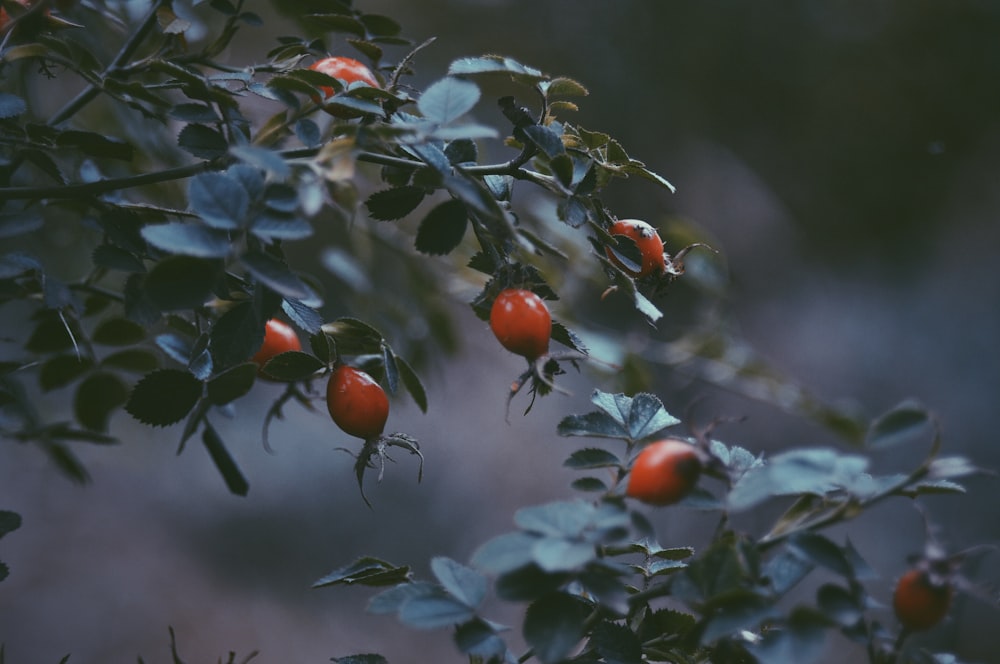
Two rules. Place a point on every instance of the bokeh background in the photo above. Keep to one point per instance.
(843, 156)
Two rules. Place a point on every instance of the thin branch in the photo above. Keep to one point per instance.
(103, 186)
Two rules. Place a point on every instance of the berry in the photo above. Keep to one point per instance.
(357, 403)
(521, 322)
(647, 240)
(664, 472)
(920, 602)
(279, 338)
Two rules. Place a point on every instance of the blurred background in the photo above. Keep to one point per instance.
(843, 157)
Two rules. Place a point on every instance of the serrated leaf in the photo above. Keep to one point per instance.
(354, 337)
(505, 553)
(164, 397)
(61, 370)
(395, 203)
(819, 550)
(201, 113)
(389, 601)
(897, 425)
(132, 359)
(558, 554)
(806, 471)
(292, 366)
(592, 457)
(478, 638)
(448, 99)
(118, 332)
(275, 274)
(366, 571)
(463, 583)
(11, 106)
(434, 611)
(442, 230)
(20, 223)
(221, 201)
(617, 644)
(412, 383)
(202, 142)
(188, 239)
(232, 384)
(231, 474)
(236, 336)
(595, 424)
(116, 258)
(366, 658)
(96, 397)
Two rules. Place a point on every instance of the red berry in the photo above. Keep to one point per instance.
(279, 338)
(919, 602)
(347, 70)
(664, 472)
(521, 322)
(648, 242)
(357, 404)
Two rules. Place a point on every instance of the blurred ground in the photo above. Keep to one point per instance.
(844, 155)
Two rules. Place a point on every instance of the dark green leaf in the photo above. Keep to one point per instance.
(546, 140)
(96, 145)
(232, 384)
(275, 274)
(11, 105)
(434, 611)
(591, 484)
(554, 625)
(464, 584)
(740, 611)
(53, 334)
(96, 397)
(235, 481)
(195, 113)
(381, 26)
(442, 230)
(61, 370)
(819, 550)
(814, 471)
(221, 201)
(505, 553)
(354, 337)
(181, 282)
(367, 658)
(562, 518)
(897, 425)
(164, 397)
(118, 332)
(839, 604)
(281, 227)
(9, 522)
(366, 571)
(477, 638)
(617, 644)
(559, 554)
(236, 336)
(493, 64)
(188, 239)
(302, 315)
(799, 641)
(292, 366)
(462, 151)
(592, 457)
(785, 570)
(592, 424)
(202, 142)
(116, 258)
(412, 383)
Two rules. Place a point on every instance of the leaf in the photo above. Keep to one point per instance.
(132, 359)
(442, 230)
(9, 522)
(188, 239)
(275, 274)
(897, 425)
(292, 366)
(98, 395)
(181, 282)
(232, 384)
(164, 397)
(448, 99)
(595, 424)
(801, 640)
(118, 332)
(302, 315)
(202, 142)
(236, 336)
(395, 203)
(493, 64)
(819, 550)
(365, 571)
(558, 554)
(389, 601)
(806, 471)
(412, 383)
(96, 145)
(785, 570)
(623, 417)
(219, 200)
(463, 583)
(553, 625)
(617, 644)
(116, 258)
(231, 474)
(11, 106)
(505, 553)
(281, 227)
(592, 457)
(354, 337)
(434, 611)
(546, 140)
(743, 610)
(367, 658)
(559, 518)
(61, 370)
(20, 223)
(478, 638)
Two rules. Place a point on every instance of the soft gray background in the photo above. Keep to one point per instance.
(843, 155)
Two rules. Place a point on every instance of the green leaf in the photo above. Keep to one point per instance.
(785, 570)
(478, 638)
(626, 417)
(395, 203)
(118, 332)
(11, 106)
(559, 554)
(806, 471)
(275, 274)
(412, 383)
(236, 336)
(302, 315)
(595, 424)
(448, 99)
(132, 359)
(354, 337)
(232, 384)
(592, 457)
(390, 601)
(164, 397)
(281, 227)
(442, 230)
(898, 425)
(554, 625)
(96, 397)
(819, 550)
(839, 604)
(591, 484)
(433, 611)
(292, 366)
(505, 553)
(9, 522)
(800, 640)
(181, 282)
(545, 139)
(96, 145)
(494, 64)
(61, 370)
(235, 481)
(188, 239)
(195, 113)
(365, 571)
(367, 658)
(20, 223)
(202, 142)
(463, 583)
(562, 518)
(742, 610)
(616, 644)
(219, 200)
(116, 258)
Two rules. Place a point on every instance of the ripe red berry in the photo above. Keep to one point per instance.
(347, 70)
(357, 404)
(279, 338)
(521, 322)
(664, 472)
(648, 242)
(920, 602)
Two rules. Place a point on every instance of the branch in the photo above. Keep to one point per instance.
(103, 186)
